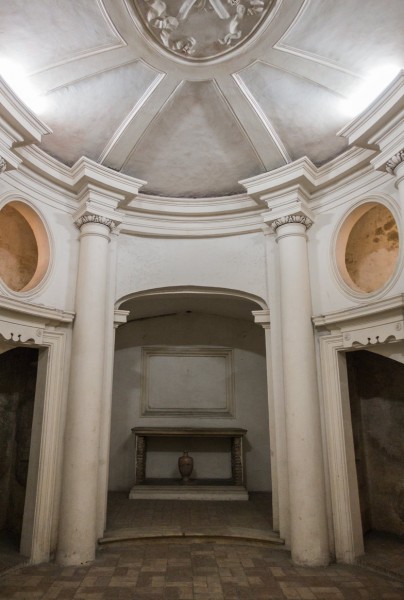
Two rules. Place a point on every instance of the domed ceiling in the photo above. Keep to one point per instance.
(194, 95)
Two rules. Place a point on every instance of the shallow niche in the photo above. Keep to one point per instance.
(24, 247)
(368, 247)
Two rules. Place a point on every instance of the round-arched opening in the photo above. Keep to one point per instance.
(24, 247)
(368, 247)
(190, 360)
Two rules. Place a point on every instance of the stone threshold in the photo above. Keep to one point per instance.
(225, 533)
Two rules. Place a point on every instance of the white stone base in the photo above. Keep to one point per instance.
(181, 492)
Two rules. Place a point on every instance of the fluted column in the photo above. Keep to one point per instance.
(78, 514)
(308, 520)
(395, 166)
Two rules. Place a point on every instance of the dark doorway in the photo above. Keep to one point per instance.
(18, 374)
(376, 388)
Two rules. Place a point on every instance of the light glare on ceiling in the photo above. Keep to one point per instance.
(19, 81)
(373, 85)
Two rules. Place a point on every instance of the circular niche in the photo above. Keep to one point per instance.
(368, 247)
(24, 247)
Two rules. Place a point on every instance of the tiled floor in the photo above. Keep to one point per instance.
(196, 571)
(201, 569)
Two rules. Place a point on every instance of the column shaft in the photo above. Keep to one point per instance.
(77, 536)
(309, 535)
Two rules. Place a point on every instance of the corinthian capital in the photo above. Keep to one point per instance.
(2, 165)
(95, 219)
(394, 161)
(302, 219)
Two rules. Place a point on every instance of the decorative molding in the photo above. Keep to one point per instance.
(40, 315)
(394, 161)
(386, 107)
(340, 452)
(302, 219)
(262, 317)
(183, 31)
(226, 410)
(91, 218)
(377, 323)
(335, 320)
(20, 117)
(120, 317)
(20, 333)
(3, 165)
(383, 331)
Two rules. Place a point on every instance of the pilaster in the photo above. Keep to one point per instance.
(262, 317)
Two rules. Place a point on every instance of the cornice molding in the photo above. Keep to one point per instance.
(383, 109)
(304, 173)
(19, 116)
(30, 310)
(3, 165)
(372, 324)
(345, 315)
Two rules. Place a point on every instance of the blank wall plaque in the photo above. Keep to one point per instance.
(187, 381)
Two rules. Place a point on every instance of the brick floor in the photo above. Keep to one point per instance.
(202, 569)
(196, 571)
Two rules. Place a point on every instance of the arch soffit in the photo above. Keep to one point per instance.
(194, 292)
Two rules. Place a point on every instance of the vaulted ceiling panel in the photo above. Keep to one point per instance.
(86, 114)
(348, 31)
(195, 146)
(306, 116)
(39, 33)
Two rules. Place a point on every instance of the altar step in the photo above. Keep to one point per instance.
(201, 533)
(188, 492)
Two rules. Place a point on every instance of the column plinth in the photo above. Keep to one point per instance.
(308, 519)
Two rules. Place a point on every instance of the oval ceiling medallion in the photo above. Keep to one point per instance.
(200, 30)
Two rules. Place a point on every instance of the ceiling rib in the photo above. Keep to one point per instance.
(122, 150)
(265, 121)
(250, 121)
(128, 119)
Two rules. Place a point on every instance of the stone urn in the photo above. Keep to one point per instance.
(185, 466)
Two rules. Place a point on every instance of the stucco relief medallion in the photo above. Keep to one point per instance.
(202, 29)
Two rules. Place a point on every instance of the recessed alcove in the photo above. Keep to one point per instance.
(24, 247)
(190, 361)
(368, 247)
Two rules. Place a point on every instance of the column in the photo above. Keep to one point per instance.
(308, 519)
(395, 166)
(78, 513)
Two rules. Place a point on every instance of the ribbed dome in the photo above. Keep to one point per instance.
(259, 88)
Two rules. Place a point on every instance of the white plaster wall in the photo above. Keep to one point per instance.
(327, 293)
(58, 288)
(211, 458)
(235, 262)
